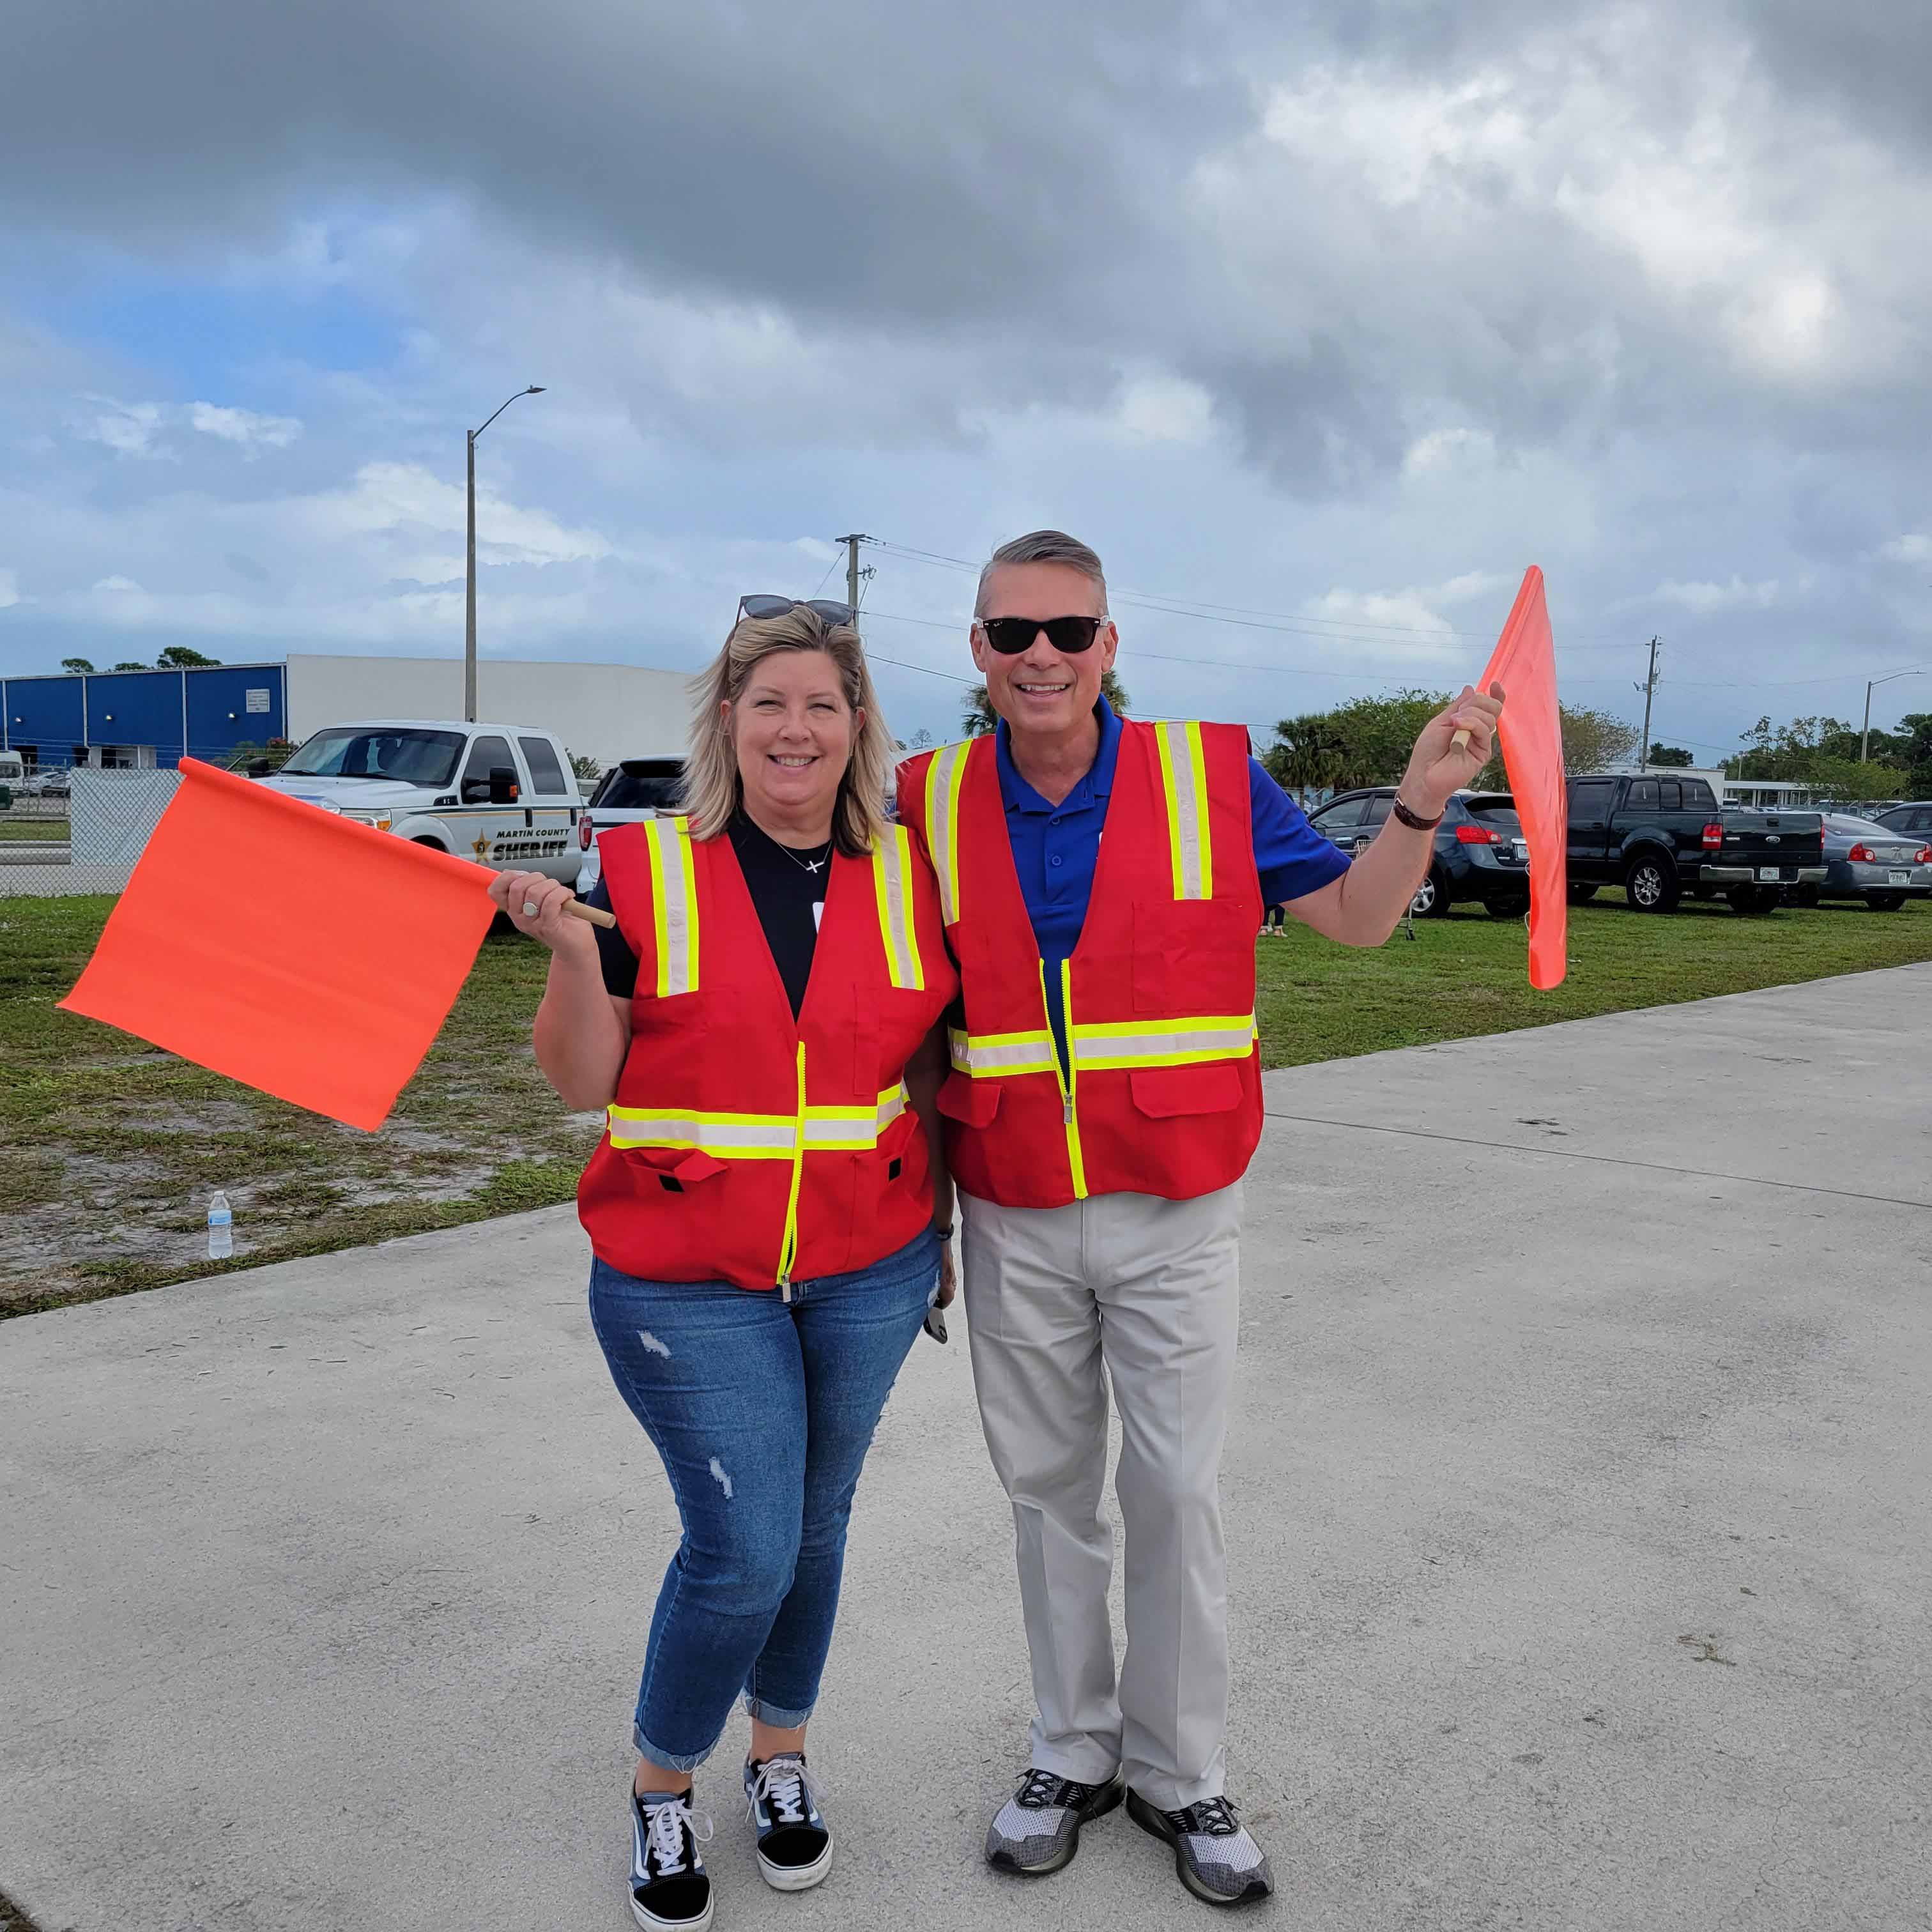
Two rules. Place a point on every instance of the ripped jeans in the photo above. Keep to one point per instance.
(763, 1412)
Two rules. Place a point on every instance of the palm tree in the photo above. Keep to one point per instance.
(1305, 755)
(978, 717)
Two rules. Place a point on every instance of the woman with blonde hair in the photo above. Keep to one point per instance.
(759, 1031)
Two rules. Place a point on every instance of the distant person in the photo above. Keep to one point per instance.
(759, 1033)
(1105, 1101)
(1274, 921)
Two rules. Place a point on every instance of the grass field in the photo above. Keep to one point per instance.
(25, 831)
(109, 1149)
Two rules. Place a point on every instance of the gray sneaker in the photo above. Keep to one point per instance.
(1213, 1854)
(1038, 1830)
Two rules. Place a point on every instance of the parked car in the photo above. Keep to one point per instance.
(1864, 860)
(632, 789)
(1479, 853)
(1913, 816)
(1660, 836)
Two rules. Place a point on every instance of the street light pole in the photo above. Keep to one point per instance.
(1864, 737)
(469, 566)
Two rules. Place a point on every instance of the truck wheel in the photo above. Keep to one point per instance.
(1753, 898)
(1431, 896)
(1506, 908)
(1885, 901)
(1806, 896)
(1650, 882)
(1582, 895)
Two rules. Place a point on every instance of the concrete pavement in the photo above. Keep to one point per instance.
(1577, 1494)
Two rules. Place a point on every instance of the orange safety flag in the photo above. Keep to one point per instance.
(296, 952)
(1525, 664)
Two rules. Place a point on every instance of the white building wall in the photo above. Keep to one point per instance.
(606, 712)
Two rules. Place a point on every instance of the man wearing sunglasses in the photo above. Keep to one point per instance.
(1104, 1101)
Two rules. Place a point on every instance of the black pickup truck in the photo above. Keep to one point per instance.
(1660, 836)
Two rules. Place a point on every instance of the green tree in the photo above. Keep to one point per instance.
(1593, 741)
(181, 657)
(1305, 754)
(131, 663)
(1670, 757)
(584, 766)
(80, 664)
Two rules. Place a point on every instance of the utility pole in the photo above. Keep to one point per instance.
(1649, 687)
(469, 566)
(854, 576)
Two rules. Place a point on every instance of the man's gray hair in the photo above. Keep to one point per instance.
(1043, 547)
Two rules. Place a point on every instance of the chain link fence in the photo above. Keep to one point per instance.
(78, 831)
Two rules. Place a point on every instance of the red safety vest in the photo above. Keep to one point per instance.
(1164, 1094)
(742, 1145)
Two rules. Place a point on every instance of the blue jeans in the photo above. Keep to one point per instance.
(762, 1411)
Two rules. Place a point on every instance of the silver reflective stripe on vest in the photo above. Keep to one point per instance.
(673, 905)
(757, 1136)
(1184, 784)
(986, 1055)
(891, 885)
(1183, 1043)
(725, 1136)
(942, 777)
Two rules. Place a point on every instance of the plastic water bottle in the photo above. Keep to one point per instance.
(220, 1229)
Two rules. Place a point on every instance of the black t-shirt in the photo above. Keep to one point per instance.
(790, 901)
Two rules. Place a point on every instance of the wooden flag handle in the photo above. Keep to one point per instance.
(596, 915)
(1460, 742)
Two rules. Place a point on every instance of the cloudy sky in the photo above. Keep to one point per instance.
(1320, 331)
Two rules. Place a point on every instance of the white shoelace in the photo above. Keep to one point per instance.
(668, 1824)
(784, 1784)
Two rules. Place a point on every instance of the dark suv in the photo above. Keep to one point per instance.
(1479, 853)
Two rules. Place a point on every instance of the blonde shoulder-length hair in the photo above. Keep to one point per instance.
(713, 790)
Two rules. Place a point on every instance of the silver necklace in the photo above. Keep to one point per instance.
(805, 864)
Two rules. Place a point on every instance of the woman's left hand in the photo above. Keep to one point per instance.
(948, 1281)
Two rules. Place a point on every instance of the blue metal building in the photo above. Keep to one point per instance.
(143, 718)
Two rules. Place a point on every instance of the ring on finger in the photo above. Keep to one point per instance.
(529, 908)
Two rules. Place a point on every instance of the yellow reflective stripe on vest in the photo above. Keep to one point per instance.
(899, 927)
(988, 1055)
(673, 905)
(1183, 1042)
(1184, 783)
(757, 1136)
(943, 778)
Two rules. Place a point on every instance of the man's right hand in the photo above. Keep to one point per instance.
(572, 939)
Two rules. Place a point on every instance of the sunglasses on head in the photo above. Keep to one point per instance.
(1010, 636)
(783, 607)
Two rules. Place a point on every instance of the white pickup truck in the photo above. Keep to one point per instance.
(501, 794)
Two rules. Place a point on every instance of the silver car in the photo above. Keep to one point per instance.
(1865, 861)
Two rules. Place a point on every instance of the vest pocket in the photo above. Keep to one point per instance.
(1194, 956)
(971, 1102)
(676, 1168)
(1162, 1092)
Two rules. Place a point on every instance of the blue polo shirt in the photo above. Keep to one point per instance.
(1056, 847)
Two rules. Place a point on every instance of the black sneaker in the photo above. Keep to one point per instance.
(1216, 1858)
(670, 1891)
(1038, 1830)
(794, 1842)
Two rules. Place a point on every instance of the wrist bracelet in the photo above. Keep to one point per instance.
(1409, 818)
(945, 1233)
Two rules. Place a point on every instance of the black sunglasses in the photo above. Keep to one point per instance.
(1010, 636)
(783, 607)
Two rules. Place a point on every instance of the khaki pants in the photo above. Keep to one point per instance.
(1145, 1293)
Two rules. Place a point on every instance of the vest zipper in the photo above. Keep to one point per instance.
(1067, 1076)
(788, 1248)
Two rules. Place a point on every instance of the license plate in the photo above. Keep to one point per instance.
(1769, 874)
(1900, 878)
